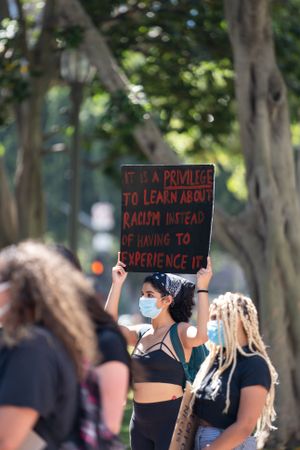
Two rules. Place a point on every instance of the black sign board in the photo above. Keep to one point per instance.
(166, 217)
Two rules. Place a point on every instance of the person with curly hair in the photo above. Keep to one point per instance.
(47, 339)
(167, 300)
(235, 387)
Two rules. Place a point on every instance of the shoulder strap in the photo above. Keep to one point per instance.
(179, 349)
(143, 330)
(166, 334)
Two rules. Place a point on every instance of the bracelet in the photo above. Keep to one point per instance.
(202, 290)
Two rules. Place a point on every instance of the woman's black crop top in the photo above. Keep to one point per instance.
(158, 366)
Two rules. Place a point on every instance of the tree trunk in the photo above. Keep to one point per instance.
(8, 212)
(42, 63)
(28, 182)
(266, 238)
(147, 135)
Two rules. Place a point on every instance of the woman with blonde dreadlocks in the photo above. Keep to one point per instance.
(46, 337)
(234, 389)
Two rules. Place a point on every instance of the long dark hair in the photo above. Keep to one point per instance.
(182, 307)
(100, 318)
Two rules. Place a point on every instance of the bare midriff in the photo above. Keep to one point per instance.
(156, 392)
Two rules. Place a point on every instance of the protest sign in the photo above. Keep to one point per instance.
(166, 217)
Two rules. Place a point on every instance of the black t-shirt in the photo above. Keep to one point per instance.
(39, 374)
(249, 371)
(112, 346)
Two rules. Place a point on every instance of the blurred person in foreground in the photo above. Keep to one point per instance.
(47, 335)
(114, 367)
(235, 386)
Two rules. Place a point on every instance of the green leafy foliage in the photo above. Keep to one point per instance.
(14, 68)
(69, 36)
(179, 53)
(177, 57)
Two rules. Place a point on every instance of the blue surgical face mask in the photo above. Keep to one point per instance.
(148, 307)
(215, 332)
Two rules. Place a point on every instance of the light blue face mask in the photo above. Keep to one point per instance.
(148, 307)
(215, 332)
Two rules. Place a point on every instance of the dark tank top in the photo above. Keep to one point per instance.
(157, 366)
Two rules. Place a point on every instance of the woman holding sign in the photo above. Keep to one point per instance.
(167, 300)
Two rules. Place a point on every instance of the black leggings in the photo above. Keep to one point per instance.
(152, 424)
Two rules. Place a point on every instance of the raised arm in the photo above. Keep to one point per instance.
(119, 275)
(193, 336)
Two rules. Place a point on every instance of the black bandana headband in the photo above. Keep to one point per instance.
(171, 283)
